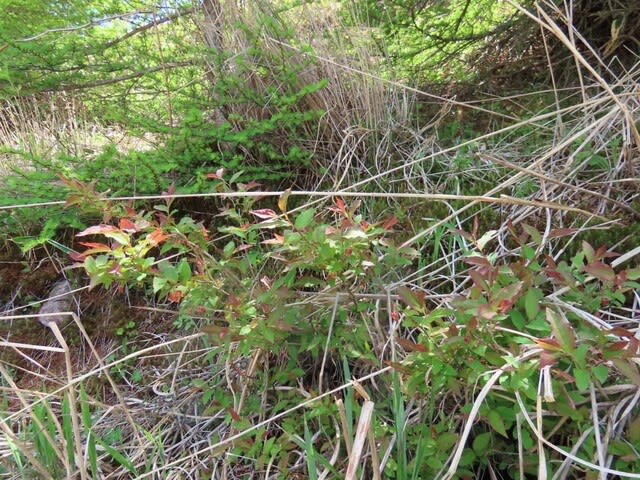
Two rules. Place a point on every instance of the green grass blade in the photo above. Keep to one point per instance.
(88, 424)
(67, 430)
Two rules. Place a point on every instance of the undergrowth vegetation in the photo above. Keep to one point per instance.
(317, 240)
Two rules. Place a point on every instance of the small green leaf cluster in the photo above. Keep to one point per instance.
(212, 278)
(538, 319)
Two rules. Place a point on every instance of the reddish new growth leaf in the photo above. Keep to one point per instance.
(601, 271)
(505, 305)
(277, 240)
(77, 257)
(97, 230)
(410, 346)
(264, 213)
(174, 296)
(215, 176)
(94, 247)
(116, 269)
(477, 260)
(130, 211)
(233, 414)
(251, 185)
(548, 344)
(561, 232)
(602, 253)
(157, 237)
(622, 332)
(170, 191)
(128, 226)
(390, 222)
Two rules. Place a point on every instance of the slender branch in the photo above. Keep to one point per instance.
(147, 26)
(122, 78)
(80, 27)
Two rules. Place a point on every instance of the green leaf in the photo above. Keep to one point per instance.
(532, 302)
(446, 440)
(582, 378)
(158, 284)
(601, 372)
(184, 271)
(633, 273)
(117, 456)
(120, 237)
(497, 423)
(305, 218)
(517, 318)
(409, 298)
(528, 252)
(228, 249)
(562, 330)
(481, 443)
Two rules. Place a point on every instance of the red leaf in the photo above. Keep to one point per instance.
(174, 296)
(265, 213)
(277, 240)
(551, 262)
(130, 211)
(601, 271)
(94, 247)
(452, 331)
(233, 414)
(479, 280)
(157, 237)
(116, 269)
(97, 230)
(477, 260)
(77, 257)
(390, 222)
(547, 359)
(561, 232)
(170, 191)
(340, 204)
(410, 346)
(621, 332)
(505, 305)
(127, 226)
(548, 344)
(217, 175)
